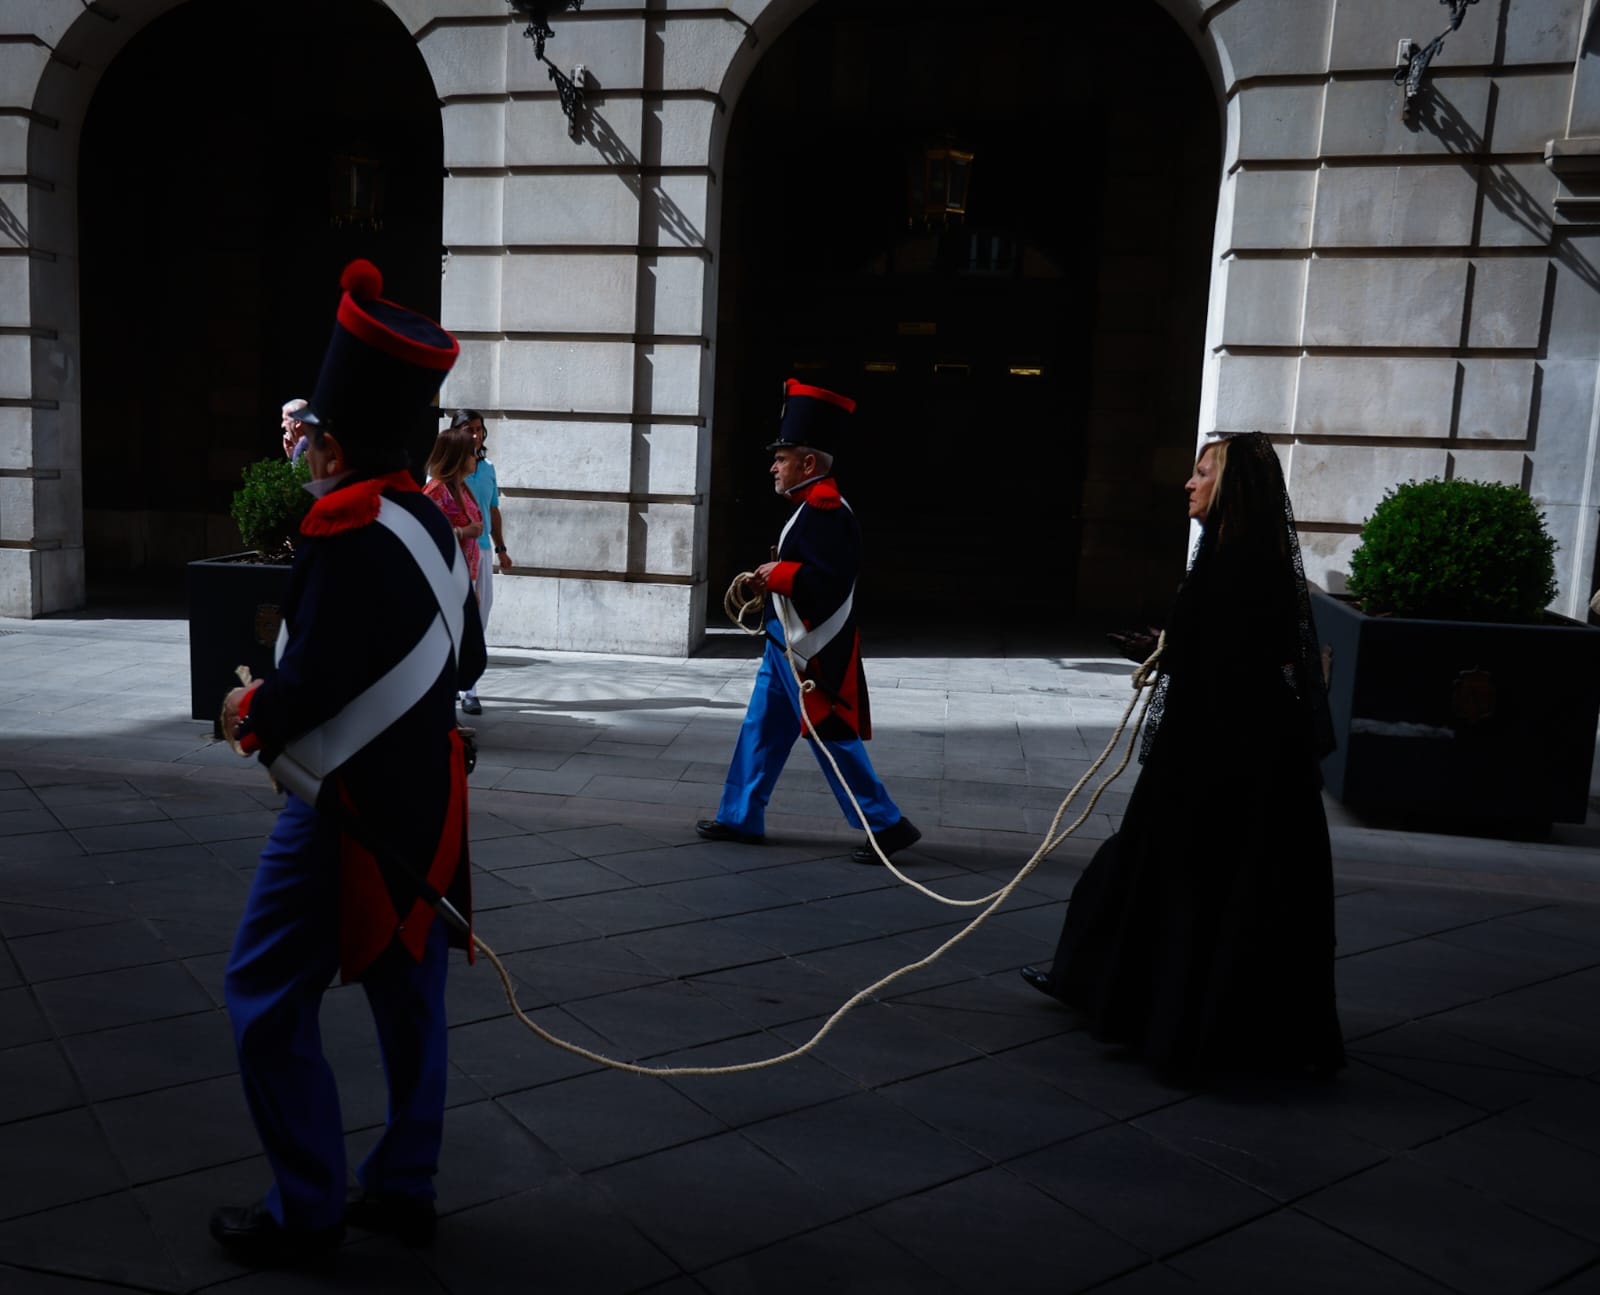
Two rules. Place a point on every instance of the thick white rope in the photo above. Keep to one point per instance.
(737, 609)
(996, 900)
(737, 603)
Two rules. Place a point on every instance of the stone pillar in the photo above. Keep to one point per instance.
(41, 493)
(1393, 299)
(578, 278)
(1569, 476)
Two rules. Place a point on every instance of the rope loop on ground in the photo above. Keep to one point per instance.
(738, 602)
(1144, 677)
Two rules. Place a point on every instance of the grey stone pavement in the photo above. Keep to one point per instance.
(960, 1134)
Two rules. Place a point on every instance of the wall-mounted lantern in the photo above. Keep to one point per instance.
(538, 30)
(357, 192)
(940, 182)
(1412, 62)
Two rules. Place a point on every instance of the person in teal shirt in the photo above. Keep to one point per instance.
(486, 490)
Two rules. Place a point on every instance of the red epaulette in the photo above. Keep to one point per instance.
(824, 494)
(351, 507)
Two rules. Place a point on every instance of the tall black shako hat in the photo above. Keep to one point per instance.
(383, 365)
(813, 417)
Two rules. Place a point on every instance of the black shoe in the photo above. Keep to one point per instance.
(471, 706)
(252, 1236)
(1038, 979)
(715, 831)
(897, 836)
(410, 1219)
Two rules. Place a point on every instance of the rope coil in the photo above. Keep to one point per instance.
(741, 599)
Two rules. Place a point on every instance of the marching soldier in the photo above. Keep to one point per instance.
(357, 724)
(810, 604)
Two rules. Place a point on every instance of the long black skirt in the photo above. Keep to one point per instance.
(1201, 934)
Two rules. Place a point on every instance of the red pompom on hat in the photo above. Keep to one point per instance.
(361, 278)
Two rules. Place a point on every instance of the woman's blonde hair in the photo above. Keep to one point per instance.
(1244, 508)
(1218, 450)
(453, 456)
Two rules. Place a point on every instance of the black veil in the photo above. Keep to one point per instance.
(1250, 529)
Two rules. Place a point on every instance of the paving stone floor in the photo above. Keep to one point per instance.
(959, 1133)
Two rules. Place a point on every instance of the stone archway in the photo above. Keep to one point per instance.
(320, 142)
(148, 399)
(1085, 256)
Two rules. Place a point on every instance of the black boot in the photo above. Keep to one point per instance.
(712, 830)
(252, 1236)
(409, 1219)
(897, 836)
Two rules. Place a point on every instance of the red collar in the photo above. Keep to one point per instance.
(822, 493)
(351, 507)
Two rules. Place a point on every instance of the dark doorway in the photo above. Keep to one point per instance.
(1028, 373)
(233, 159)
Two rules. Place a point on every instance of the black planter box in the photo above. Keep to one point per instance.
(233, 621)
(1465, 721)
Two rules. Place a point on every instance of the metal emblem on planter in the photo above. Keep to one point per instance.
(1472, 697)
(268, 619)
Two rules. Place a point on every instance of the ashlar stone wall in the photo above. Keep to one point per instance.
(1388, 300)
(41, 493)
(1399, 299)
(578, 279)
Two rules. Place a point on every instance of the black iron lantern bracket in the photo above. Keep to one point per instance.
(1413, 63)
(538, 30)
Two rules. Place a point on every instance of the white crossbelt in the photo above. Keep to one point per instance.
(304, 763)
(806, 644)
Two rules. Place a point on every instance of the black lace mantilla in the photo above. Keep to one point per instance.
(1252, 521)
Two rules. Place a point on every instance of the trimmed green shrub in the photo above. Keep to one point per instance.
(268, 508)
(1455, 550)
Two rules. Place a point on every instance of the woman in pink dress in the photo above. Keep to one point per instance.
(453, 459)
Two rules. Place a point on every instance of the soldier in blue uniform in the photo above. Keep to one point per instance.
(810, 604)
(357, 723)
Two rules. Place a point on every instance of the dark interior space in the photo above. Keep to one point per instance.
(1028, 370)
(234, 158)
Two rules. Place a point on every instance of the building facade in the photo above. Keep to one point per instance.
(1216, 219)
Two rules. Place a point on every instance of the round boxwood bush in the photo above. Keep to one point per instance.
(1455, 550)
(268, 507)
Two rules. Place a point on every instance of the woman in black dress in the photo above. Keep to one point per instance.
(1201, 934)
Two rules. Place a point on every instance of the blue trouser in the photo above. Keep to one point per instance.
(771, 725)
(284, 956)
